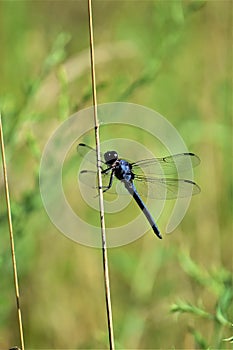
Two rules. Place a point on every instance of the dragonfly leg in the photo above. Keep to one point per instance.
(105, 171)
(106, 188)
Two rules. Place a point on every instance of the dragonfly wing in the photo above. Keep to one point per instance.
(88, 153)
(165, 188)
(167, 165)
(90, 178)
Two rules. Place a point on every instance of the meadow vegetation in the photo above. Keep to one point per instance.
(174, 57)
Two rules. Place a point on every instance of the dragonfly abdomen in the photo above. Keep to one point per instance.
(132, 190)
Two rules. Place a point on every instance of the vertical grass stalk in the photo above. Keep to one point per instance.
(101, 201)
(15, 274)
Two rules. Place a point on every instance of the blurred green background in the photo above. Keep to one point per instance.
(176, 58)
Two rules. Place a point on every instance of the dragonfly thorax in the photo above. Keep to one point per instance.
(110, 157)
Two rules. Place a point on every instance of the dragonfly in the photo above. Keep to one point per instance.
(147, 177)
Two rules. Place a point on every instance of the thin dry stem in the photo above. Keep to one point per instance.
(15, 274)
(101, 202)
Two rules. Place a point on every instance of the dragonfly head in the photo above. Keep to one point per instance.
(110, 157)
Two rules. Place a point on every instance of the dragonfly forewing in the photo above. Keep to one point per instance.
(88, 153)
(169, 165)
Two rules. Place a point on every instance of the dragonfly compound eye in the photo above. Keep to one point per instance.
(110, 157)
